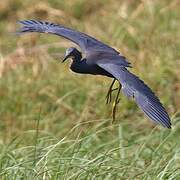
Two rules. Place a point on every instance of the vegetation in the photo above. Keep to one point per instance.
(55, 124)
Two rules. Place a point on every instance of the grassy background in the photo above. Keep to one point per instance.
(55, 124)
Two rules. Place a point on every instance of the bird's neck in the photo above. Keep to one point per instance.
(79, 66)
(77, 56)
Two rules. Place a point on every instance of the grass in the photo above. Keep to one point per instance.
(55, 124)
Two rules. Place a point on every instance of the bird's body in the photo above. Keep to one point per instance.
(101, 59)
(83, 67)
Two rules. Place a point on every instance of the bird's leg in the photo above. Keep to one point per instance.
(115, 103)
(109, 93)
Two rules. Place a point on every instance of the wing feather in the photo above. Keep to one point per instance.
(135, 88)
(83, 40)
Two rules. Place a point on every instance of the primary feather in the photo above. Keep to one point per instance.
(135, 88)
(85, 41)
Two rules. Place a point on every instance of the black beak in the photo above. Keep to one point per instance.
(65, 58)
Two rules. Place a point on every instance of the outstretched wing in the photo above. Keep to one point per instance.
(135, 88)
(83, 40)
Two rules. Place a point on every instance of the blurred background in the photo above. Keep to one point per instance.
(55, 123)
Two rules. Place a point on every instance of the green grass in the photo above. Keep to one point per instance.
(55, 124)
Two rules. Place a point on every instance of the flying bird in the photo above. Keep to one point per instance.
(101, 59)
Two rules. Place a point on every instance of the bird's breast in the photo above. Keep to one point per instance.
(83, 67)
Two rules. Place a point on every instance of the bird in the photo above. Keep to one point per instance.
(98, 58)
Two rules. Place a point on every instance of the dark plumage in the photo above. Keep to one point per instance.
(101, 59)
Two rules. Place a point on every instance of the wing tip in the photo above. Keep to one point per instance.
(32, 26)
(154, 111)
(169, 127)
(159, 118)
(168, 124)
(25, 21)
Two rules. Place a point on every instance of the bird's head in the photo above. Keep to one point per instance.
(73, 53)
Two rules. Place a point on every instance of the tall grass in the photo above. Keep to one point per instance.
(55, 124)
